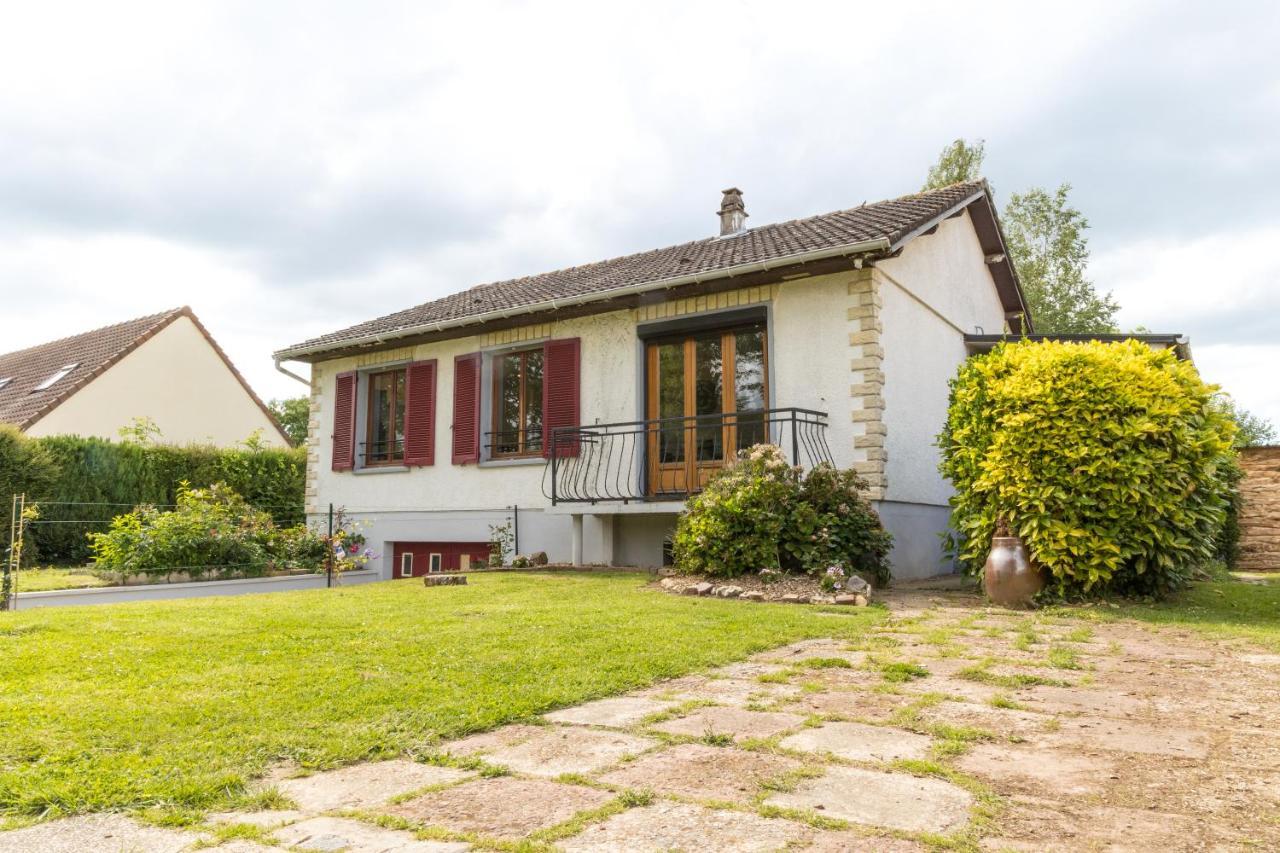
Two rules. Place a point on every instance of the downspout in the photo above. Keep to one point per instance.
(290, 373)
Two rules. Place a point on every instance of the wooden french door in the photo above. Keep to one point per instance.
(709, 391)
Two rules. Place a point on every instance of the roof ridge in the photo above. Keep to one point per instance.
(156, 318)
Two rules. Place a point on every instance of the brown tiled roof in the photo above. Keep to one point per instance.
(92, 353)
(891, 221)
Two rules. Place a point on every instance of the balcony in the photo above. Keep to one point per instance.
(670, 459)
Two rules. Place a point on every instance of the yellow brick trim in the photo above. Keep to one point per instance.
(711, 302)
(535, 332)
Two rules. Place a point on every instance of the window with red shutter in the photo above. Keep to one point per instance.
(420, 413)
(466, 409)
(560, 387)
(344, 422)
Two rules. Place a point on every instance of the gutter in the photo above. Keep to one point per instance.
(276, 360)
(880, 244)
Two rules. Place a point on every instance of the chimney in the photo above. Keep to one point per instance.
(733, 213)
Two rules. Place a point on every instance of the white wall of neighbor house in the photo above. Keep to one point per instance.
(179, 381)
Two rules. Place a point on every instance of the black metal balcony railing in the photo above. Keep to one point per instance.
(381, 452)
(671, 458)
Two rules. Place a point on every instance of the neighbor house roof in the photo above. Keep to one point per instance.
(880, 228)
(24, 399)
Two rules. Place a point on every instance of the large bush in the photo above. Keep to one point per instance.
(26, 467)
(1110, 461)
(759, 512)
(210, 530)
(98, 479)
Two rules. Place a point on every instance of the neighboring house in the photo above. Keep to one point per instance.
(164, 367)
(833, 336)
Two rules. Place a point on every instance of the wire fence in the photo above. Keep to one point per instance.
(49, 548)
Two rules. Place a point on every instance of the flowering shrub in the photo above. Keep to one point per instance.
(759, 513)
(1111, 461)
(210, 529)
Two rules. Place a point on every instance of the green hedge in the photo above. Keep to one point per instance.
(84, 482)
(1111, 461)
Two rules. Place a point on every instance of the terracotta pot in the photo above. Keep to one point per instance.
(1010, 577)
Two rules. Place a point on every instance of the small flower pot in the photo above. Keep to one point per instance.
(1010, 577)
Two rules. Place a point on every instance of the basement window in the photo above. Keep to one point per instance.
(53, 380)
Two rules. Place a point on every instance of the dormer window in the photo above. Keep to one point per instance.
(53, 380)
(5, 380)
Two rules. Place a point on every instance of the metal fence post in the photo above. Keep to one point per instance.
(795, 443)
(17, 513)
(329, 562)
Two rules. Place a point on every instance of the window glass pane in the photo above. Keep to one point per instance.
(397, 447)
(378, 441)
(671, 401)
(709, 385)
(533, 401)
(508, 404)
(749, 385)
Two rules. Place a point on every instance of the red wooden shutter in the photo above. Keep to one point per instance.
(420, 413)
(561, 373)
(466, 409)
(344, 422)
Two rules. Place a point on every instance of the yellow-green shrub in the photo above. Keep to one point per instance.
(1110, 460)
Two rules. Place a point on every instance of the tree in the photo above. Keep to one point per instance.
(959, 161)
(293, 414)
(1049, 250)
(1251, 430)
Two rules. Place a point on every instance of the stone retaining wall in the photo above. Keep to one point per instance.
(1260, 510)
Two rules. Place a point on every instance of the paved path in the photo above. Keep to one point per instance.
(954, 724)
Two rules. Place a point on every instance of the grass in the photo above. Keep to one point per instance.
(1226, 609)
(42, 580)
(180, 704)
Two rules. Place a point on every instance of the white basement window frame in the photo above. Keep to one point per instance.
(406, 564)
(53, 380)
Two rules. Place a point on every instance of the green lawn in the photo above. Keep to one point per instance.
(179, 704)
(1248, 611)
(41, 580)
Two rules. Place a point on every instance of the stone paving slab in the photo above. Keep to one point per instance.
(859, 742)
(852, 841)
(324, 834)
(870, 704)
(890, 800)
(364, 785)
(667, 826)
(738, 723)
(726, 691)
(1052, 771)
(505, 807)
(817, 648)
(554, 750)
(1047, 827)
(1128, 736)
(702, 772)
(1076, 700)
(1002, 722)
(100, 833)
(619, 712)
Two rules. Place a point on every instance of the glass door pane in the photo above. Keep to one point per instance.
(709, 391)
(670, 381)
(750, 389)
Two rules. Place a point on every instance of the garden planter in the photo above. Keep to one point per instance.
(1010, 577)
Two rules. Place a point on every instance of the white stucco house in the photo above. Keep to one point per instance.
(586, 404)
(165, 367)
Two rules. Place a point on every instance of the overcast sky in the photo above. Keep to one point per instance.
(290, 168)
